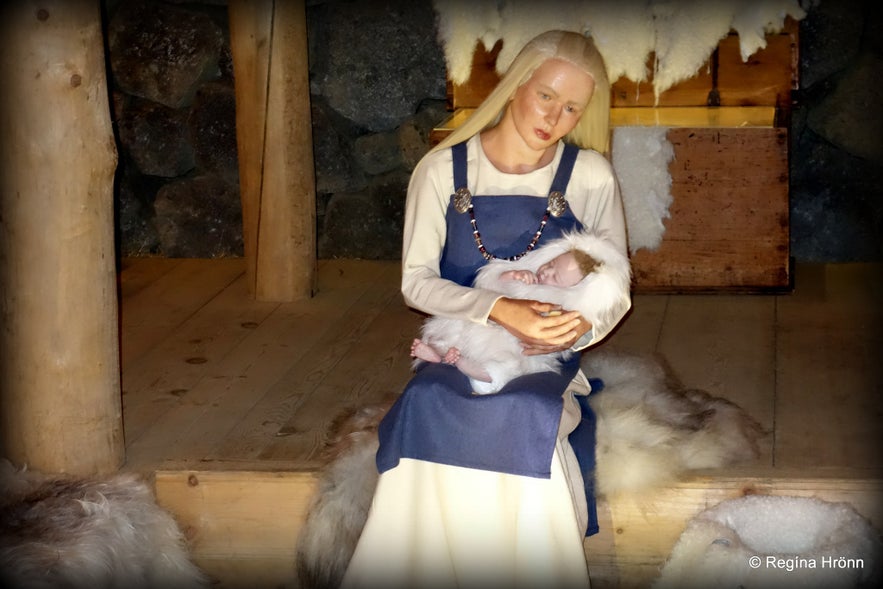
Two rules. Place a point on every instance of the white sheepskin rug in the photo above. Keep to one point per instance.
(681, 33)
(641, 157)
(650, 432)
(88, 533)
(775, 541)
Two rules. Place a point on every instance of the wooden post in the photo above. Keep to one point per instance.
(274, 134)
(59, 351)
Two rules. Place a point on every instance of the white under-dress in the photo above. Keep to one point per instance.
(435, 525)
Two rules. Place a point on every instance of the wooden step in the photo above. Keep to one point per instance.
(243, 525)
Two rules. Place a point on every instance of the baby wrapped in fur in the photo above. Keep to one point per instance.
(489, 354)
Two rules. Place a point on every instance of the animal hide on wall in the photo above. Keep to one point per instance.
(87, 533)
(640, 157)
(650, 432)
(681, 33)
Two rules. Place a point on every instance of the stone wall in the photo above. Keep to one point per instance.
(377, 85)
(837, 135)
(377, 79)
(174, 111)
(174, 115)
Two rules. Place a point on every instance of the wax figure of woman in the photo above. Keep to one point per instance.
(487, 491)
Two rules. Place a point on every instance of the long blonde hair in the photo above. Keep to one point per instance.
(593, 129)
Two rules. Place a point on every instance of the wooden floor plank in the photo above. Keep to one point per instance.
(804, 364)
(231, 387)
(138, 273)
(345, 328)
(154, 312)
(830, 400)
(725, 345)
(639, 332)
(240, 443)
(163, 377)
(377, 369)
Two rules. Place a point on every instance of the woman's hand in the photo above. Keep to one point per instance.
(542, 327)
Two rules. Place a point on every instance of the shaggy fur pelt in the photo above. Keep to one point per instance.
(680, 35)
(650, 432)
(775, 541)
(641, 157)
(88, 533)
(340, 507)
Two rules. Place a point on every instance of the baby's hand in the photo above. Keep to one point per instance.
(525, 276)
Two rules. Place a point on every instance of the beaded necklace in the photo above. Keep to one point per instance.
(555, 206)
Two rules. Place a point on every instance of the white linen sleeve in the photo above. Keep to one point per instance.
(597, 203)
(423, 240)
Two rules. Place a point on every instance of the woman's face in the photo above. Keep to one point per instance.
(549, 105)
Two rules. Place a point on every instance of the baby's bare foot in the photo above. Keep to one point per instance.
(424, 351)
(452, 356)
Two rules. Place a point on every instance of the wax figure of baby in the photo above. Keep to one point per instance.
(580, 271)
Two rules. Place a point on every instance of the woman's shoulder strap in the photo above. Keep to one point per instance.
(565, 168)
(460, 167)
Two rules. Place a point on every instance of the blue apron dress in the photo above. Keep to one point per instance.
(438, 418)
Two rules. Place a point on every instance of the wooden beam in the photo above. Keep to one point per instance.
(233, 525)
(250, 27)
(59, 351)
(278, 186)
(241, 527)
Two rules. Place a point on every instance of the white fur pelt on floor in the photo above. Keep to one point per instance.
(58, 531)
(650, 432)
(775, 541)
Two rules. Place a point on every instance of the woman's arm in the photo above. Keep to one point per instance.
(423, 240)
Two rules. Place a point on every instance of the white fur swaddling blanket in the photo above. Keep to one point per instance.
(602, 298)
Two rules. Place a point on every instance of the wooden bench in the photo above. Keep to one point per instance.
(729, 224)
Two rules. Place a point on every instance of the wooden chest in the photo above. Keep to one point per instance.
(728, 228)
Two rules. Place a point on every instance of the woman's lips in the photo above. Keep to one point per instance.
(542, 134)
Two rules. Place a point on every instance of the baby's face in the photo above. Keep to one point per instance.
(560, 271)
